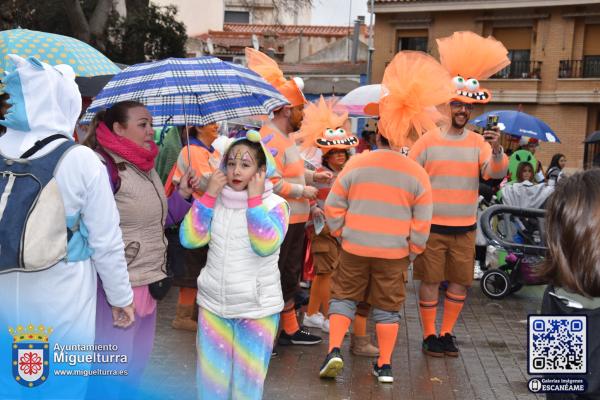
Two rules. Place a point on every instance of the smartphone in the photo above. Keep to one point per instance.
(492, 122)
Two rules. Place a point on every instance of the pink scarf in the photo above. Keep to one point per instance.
(234, 199)
(123, 147)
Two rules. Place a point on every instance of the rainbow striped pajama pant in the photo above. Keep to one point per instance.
(233, 355)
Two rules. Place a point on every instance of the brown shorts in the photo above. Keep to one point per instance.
(326, 253)
(447, 258)
(377, 281)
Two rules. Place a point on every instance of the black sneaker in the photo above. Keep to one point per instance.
(448, 345)
(332, 365)
(300, 337)
(274, 352)
(432, 346)
(383, 373)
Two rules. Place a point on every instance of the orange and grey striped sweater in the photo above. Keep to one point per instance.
(454, 164)
(291, 177)
(380, 205)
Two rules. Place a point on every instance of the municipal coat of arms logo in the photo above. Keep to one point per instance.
(30, 354)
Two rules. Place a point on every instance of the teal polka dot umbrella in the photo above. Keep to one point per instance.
(54, 49)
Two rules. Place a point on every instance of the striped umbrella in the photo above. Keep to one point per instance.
(54, 49)
(190, 91)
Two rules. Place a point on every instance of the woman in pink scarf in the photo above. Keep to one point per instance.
(123, 138)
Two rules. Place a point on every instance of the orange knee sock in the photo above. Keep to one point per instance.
(428, 310)
(386, 337)
(289, 322)
(360, 325)
(187, 296)
(338, 326)
(453, 304)
(325, 290)
(315, 300)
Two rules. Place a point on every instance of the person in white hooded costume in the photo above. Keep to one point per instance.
(45, 101)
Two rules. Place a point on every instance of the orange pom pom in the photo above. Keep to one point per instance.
(472, 56)
(414, 83)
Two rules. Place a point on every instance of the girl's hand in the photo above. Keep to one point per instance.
(216, 183)
(256, 186)
(188, 183)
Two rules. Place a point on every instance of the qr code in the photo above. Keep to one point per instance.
(557, 344)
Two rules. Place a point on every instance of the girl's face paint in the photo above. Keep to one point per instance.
(241, 167)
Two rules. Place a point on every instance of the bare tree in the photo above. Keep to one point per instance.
(93, 30)
(282, 7)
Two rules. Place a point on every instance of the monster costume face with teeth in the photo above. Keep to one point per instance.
(471, 58)
(325, 128)
(44, 100)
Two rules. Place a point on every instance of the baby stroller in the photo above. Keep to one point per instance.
(518, 229)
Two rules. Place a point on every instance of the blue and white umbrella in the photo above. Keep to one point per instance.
(190, 91)
(517, 123)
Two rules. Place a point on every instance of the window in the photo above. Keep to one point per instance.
(591, 52)
(412, 40)
(237, 17)
(518, 43)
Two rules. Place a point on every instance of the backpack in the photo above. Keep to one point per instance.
(33, 225)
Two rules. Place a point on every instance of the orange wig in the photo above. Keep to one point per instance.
(469, 58)
(325, 128)
(414, 83)
(266, 67)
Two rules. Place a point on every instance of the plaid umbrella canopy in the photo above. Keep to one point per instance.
(54, 49)
(190, 91)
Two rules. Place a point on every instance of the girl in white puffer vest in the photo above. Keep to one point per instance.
(239, 289)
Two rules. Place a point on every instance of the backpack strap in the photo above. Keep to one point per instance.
(41, 143)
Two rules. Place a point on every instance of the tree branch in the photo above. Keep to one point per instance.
(100, 17)
(77, 20)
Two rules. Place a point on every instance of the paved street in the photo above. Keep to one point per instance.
(491, 336)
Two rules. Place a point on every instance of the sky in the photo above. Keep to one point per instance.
(337, 12)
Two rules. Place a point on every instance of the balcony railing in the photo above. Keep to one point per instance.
(588, 68)
(520, 70)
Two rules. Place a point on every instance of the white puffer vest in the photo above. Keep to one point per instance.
(236, 282)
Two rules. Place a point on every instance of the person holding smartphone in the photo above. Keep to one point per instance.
(455, 158)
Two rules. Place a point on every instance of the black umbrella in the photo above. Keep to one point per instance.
(593, 138)
(91, 86)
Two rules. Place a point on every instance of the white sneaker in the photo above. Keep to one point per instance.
(325, 326)
(313, 321)
(478, 273)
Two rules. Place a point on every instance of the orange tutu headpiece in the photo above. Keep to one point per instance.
(414, 83)
(325, 128)
(266, 67)
(470, 58)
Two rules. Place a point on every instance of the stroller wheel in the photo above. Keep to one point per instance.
(495, 283)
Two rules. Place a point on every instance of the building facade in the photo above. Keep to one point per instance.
(554, 47)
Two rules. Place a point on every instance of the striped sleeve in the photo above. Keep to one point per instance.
(492, 166)
(422, 211)
(280, 185)
(418, 151)
(267, 228)
(195, 228)
(336, 204)
(284, 188)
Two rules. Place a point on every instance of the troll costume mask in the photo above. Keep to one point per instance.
(414, 83)
(470, 58)
(325, 128)
(266, 67)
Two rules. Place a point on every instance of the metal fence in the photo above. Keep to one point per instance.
(520, 70)
(586, 68)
